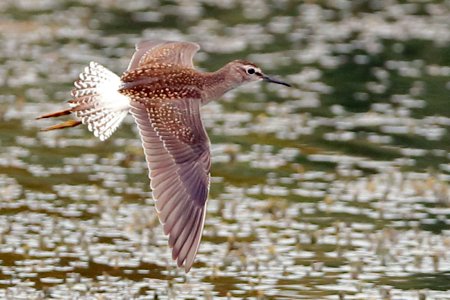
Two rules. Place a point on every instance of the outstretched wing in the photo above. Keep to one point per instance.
(156, 51)
(177, 151)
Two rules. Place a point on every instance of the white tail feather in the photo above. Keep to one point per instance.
(97, 101)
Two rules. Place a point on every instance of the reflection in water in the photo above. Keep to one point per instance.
(337, 187)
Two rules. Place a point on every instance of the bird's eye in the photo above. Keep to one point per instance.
(250, 71)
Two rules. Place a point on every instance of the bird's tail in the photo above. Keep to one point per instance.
(96, 102)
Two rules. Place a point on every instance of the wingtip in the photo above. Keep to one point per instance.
(181, 261)
(187, 268)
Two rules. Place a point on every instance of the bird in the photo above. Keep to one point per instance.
(163, 92)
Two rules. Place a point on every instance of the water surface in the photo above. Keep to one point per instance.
(337, 188)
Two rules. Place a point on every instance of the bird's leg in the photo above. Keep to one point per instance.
(66, 124)
(56, 114)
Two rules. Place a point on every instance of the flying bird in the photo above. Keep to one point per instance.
(163, 92)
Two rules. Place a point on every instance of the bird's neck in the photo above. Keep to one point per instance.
(219, 82)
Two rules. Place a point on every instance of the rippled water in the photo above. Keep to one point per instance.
(337, 188)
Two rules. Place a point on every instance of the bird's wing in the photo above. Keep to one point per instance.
(156, 51)
(177, 151)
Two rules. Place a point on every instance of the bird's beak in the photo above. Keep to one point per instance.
(270, 79)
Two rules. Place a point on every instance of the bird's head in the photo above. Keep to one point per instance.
(248, 72)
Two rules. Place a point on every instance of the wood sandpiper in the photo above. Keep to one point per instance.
(164, 93)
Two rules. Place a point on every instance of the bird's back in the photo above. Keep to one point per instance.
(162, 82)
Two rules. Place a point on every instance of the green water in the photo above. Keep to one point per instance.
(337, 188)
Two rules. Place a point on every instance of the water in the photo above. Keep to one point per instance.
(337, 188)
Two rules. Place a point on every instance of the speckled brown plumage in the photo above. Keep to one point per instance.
(163, 83)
